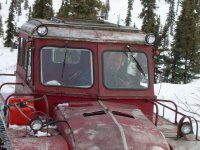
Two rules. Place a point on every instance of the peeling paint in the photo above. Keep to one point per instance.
(156, 148)
(101, 131)
(77, 130)
(93, 132)
(94, 148)
(101, 124)
(17, 127)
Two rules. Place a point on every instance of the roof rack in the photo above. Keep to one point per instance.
(86, 24)
(84, 30)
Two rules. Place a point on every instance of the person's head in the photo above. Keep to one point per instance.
(113, 61)
(132, 69)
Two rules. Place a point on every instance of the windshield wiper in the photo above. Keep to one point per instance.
(63, 66)
(135, 60)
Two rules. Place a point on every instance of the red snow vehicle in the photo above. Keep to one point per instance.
(84, 85)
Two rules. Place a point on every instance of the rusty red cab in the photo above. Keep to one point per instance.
(92, 87)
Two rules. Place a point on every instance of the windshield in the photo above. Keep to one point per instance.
(68, 67)
(125, 70)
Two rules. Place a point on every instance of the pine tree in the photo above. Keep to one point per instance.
(26, 4)
(171, 16)
(105, 10)
(81, 9)
(148, 16)
(128, 16)
(42, 9)
(50, 8)
(156, 45)
(164, 63)
(165, 60)
(186, 45)
(29, 14)
(19, 8)
(10, 32)
(149, 23)
(15, 4)
(64, 9)
(1, 27)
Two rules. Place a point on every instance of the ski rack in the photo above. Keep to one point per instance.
(10, 83)
(5, 74)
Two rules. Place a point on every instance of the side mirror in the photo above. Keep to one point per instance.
(29, 44)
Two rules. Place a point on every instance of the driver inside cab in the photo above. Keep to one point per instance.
(119, 72)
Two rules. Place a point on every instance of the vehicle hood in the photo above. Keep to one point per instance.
(108, 126)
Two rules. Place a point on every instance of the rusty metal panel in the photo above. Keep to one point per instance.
(19, 140)
(97, 35)
(94, 128)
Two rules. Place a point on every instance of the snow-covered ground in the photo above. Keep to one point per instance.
(8, 59)
(186, 96)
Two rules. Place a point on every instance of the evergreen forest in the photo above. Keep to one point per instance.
(178, 39)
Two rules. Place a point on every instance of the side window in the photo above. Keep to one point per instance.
(24, 57)
(28, 65)
(21, 51)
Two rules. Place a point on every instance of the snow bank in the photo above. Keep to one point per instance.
(8, 60)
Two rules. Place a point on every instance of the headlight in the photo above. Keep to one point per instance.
(36, 124)
(42, 30)
(150, 39)
(186, 128)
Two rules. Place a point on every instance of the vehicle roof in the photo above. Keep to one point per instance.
(85, 30)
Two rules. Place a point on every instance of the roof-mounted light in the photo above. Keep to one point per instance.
(42, 30)
(150, 38)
